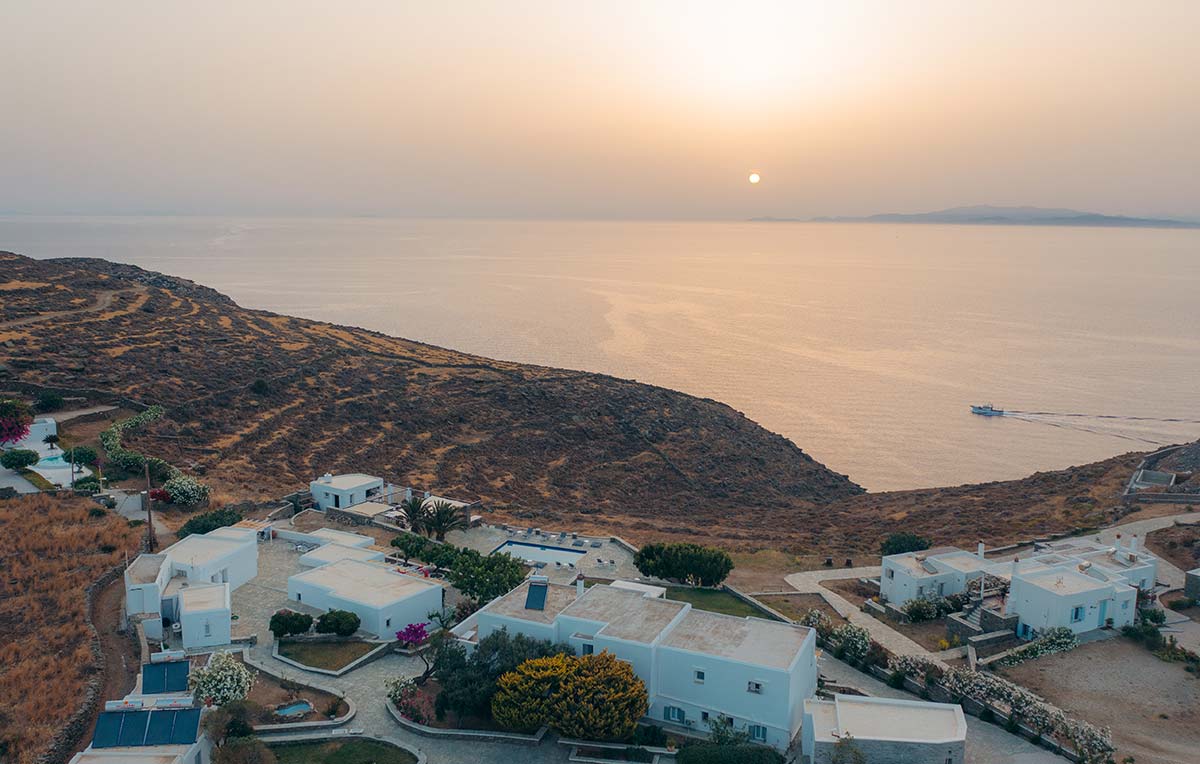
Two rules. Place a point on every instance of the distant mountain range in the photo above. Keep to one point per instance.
(984, 214)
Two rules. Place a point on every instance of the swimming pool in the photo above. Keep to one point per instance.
(53, 461)
(523, 550)
(299, 708)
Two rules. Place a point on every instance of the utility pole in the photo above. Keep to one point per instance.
(149, 516)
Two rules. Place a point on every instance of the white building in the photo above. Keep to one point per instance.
(341, 491)
(328, 553)
(1077, 583)
(385, 600)
(698, 666)
(884, 730)
(160, 586)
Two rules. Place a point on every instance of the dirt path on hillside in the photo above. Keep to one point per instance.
(104, 301)
(121, 658)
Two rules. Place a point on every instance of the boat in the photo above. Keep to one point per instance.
(987, 410)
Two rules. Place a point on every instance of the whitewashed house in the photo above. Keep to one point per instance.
(884, 730)
(698, 667)
(384, 599)
(931, 573)
(161, 586)
(341, 491)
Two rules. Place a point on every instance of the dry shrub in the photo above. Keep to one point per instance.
(51, 551)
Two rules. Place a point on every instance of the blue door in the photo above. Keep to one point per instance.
(1103, 612)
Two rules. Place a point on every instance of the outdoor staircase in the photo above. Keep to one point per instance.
(973, 616)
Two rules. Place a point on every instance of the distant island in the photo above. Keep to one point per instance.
(983, 214)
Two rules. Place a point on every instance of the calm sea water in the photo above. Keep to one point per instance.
(862, 343)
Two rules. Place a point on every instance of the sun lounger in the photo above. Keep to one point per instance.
(597, 544)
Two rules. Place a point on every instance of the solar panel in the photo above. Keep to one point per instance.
(158, 731)
(133, 727)
(187, 726)
(108, 729)
(535, 598)
(177, 676)
(154, 678)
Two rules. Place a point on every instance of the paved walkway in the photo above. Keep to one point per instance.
(10, 479)
(66, 416)
(1167, 573)
(986, 743)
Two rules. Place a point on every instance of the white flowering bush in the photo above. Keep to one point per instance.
(909, 665)
(186, 490)
(224, 680)
(851, 642)
(819, 620)
(1056, 640)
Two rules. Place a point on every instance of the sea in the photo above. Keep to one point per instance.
(865, 344)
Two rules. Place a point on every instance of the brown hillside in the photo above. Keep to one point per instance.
(559, 448)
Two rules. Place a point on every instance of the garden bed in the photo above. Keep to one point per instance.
(794, 606)
(427, 695)
(271, 692)
(850, 588)
(715, 601)
(928, 634)
(325, 655)
(341, 752)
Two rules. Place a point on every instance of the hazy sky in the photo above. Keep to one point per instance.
(568, 108)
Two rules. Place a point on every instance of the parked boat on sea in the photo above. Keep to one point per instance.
(986, 410)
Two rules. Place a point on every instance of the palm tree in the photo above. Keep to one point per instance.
(50, 440)
(414, 512)
(443, 517)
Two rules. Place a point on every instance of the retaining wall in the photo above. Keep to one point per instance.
(461, 734)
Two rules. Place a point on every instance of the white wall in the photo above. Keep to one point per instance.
(234, 568)
(383, 622)
(1041, 609)
(206, 628)
(324, 494)
(897, 585)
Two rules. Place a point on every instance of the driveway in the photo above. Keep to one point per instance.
(10, 479)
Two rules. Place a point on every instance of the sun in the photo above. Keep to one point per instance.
(754, 177)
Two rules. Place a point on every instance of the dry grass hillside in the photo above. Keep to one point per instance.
(53, 549)
(554, 447)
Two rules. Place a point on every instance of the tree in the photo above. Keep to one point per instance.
(414, 512)
(224, 680)
(468, 683)
(443, 517)
(722, 732)
(85, 455)
(208, 521)
(19, 458)
(899, 543)
(233, 720)
(47, 400)
(441, 556)
(51, 440)
(484, 578)
(845, 751)
(413, 635)
(340, 622)
(260, 387)
(690, 563)
(244, 750)
(288, 622)
(411, 545)
(593, 697)
(15, 418)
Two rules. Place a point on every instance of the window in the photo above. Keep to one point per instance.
(891, 573)
(674, 714)
(1077, 614)
(704, 716)
(758, 732)
(387, 623)
(698, 676)
(920, 591)
(337, 501)
(207, 629)
(754, 687)
(588, 649)
(1125, 605)
(299, 596)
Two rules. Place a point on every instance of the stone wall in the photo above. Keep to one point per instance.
(992, 620)
(957, 627)
(1191, 586)
(889, 752)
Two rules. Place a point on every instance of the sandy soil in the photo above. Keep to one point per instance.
(1179, 544)
(851, 589)
(1152, 707)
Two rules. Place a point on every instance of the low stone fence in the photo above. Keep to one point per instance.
(756, 604)
(660, 754)
(338, 734)
(491, 736)
(375, 654)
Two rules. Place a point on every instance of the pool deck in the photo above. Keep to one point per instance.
(486, 538)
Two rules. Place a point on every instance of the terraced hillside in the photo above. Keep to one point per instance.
(261, 403)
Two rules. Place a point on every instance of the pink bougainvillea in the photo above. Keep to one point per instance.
(413, 634)
(15, 418)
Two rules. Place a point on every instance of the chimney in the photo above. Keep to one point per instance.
(579, 587)
(1016, 566)
(1117, 543)
(1133, 544)
(979, 550)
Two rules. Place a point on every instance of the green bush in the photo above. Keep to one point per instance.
(260, 387)
(649, 734)
(1181, 603)
(19, 458)
(288, 622)
(340, 622)
(1154, 616)
(85, 455)
(218, 518)
(47, 400)
(89, 483)
(1145, 633)
(690, 563)
(920, 609)
(710, 753)
(899, 543)
(125, 459)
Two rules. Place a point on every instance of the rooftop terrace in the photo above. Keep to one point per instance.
(370, 583)
(749, 640)
(629, 615)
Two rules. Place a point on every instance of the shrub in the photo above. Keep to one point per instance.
(97, 512)
(85, 455)
(46, 401)
(690, 563)
(468, 684)
(1056, 640)
(1154, 616)
(409, 701)
(851, 643)
(711, 753)
(920, 609)
(1181, 603)
(89, 483)
(1145, 633)
(158, 494)
(218, 518)
(818, 620)
(19, 458)
(260, 387)
(340, 622)
(413, 634)
(649, 734)
(899, 543)
(224, 680)
(186, 490)
(126, 459)
(287, 622)
(15, 418)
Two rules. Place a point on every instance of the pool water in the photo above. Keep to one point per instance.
(523, 550)
(299, 708)
(53, 461)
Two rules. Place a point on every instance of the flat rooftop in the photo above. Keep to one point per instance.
(558, 597)
(370, 583)
(367, 508)
(911, 721)
(628, 615)
(202, 549)
(1062, 580)
(129, 755)
(750, 640)
(348, 481)
(962, 561)
(909, 561)
(334, 552)
(145, 568)
(343, 537)
(204, 597)
(646, 589)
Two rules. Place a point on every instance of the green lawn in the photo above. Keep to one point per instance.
(330, 656)
(341, 752)
(714, 600)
